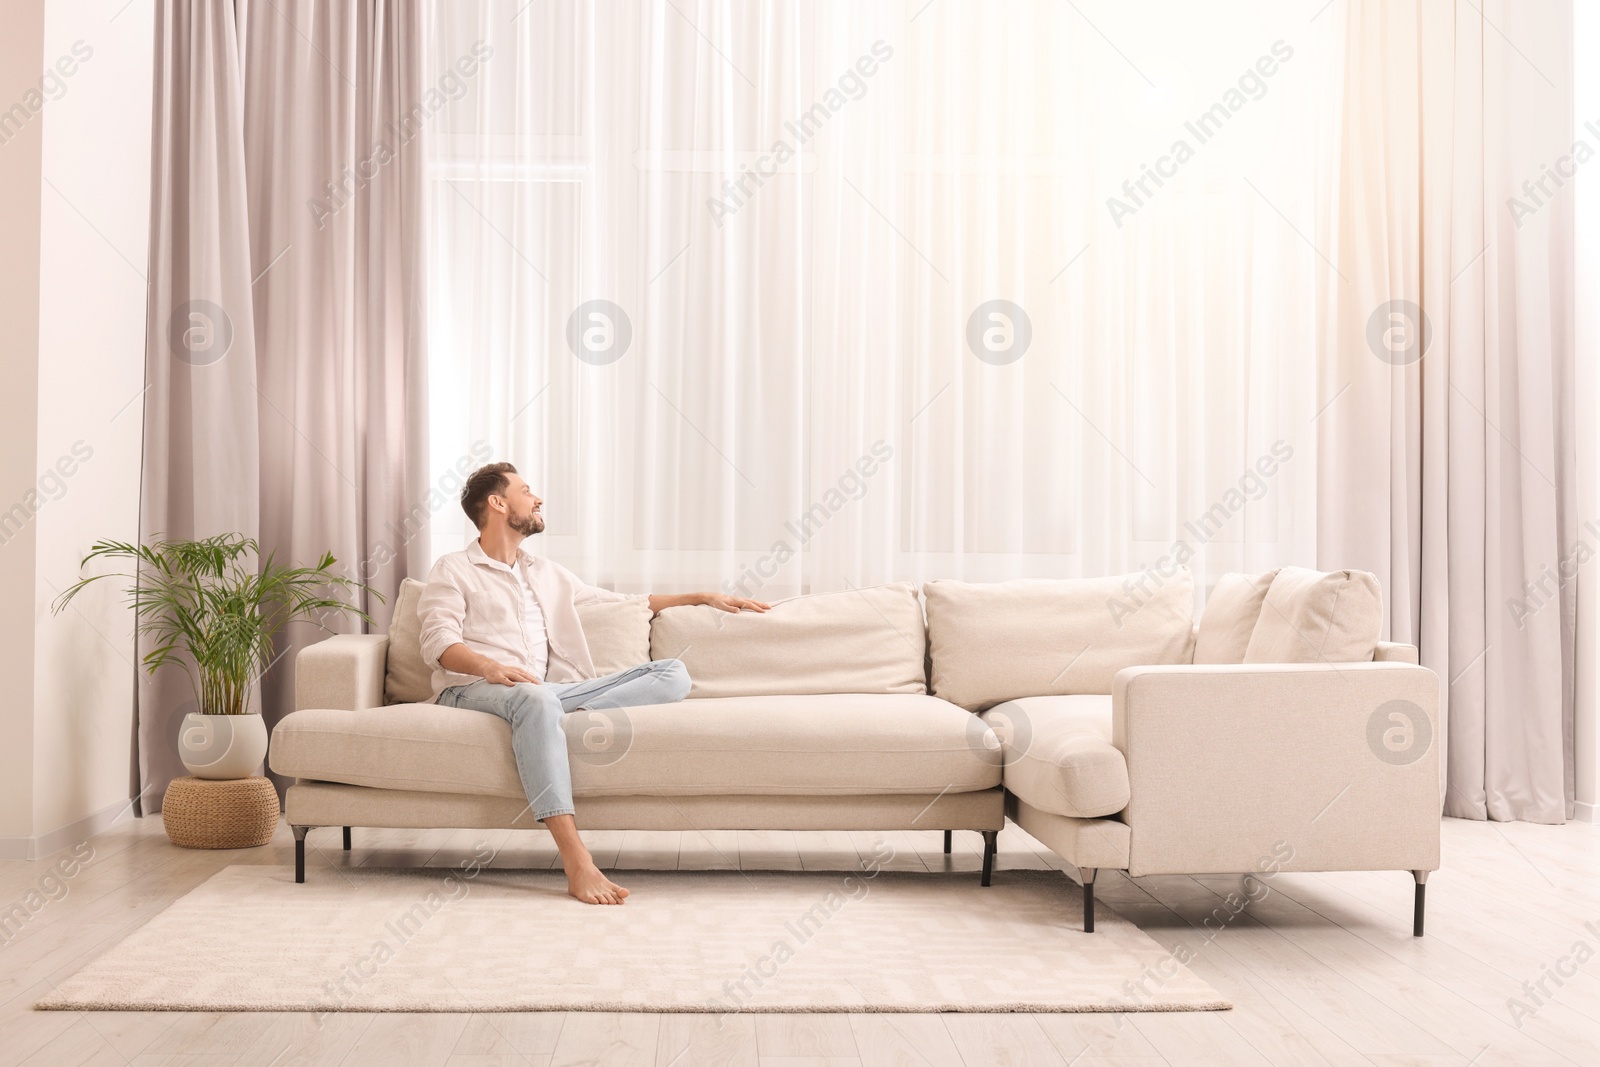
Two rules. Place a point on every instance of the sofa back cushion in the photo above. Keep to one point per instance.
(1047, 637)
(618, 635)
(1315, 617)
(858, 641)
(1230, 617)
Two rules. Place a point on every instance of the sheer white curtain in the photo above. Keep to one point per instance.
(798, 215)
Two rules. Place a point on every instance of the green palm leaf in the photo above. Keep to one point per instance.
(215, 609)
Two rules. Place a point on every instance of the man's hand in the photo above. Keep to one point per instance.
(460, 659)
(733, 603)
(499, 672)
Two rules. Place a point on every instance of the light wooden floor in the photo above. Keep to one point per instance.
(1322, 971)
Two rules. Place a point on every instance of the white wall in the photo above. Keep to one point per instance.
(94, 248)
(92, 196)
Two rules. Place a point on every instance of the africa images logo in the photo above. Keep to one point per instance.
(1399, 733)
(999, 332)
(599, 332)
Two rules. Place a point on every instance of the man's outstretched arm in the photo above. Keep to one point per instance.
(589, 594)
(659, 603)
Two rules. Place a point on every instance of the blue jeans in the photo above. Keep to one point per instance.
(536, 712)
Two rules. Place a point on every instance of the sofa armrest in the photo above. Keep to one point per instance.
(1310, 767)
(344, 671)
(1393, 652)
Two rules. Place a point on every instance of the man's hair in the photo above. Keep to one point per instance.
(486, 481)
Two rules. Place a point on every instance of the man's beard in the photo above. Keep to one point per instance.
(529, 526)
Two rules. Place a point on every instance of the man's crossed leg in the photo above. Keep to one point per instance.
(539, 743)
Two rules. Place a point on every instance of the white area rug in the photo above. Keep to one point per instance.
(249, 939)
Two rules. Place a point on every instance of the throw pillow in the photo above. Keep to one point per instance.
(408, 679)
(1230, 616)
(1315, 617)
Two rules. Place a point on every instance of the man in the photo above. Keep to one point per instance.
(500, 629)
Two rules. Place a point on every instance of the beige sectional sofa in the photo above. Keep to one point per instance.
(1298, 742)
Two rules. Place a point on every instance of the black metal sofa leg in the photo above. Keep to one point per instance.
(1087, 875)
(299, 853)
(947, 842)
(1419, 905)
(347, 839)
(990, 838)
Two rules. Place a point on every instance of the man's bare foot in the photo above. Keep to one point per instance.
(586, 882)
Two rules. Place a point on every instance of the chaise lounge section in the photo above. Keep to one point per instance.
(1320, 754)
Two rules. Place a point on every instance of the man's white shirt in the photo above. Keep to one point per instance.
(533, 629)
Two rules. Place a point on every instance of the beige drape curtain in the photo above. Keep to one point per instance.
(201, 465)
(1499, 410)
(1448, 449)
(286, 243)
(333, 118)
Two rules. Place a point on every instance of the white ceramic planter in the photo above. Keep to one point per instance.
(222, 746)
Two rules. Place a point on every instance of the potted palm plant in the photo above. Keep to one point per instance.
(208, 607)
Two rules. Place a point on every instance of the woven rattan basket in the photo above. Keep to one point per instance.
(236, 813)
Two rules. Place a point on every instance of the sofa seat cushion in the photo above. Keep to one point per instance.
(1059, 756)
(781, 745)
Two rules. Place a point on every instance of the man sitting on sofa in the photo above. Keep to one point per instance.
(500, 629)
